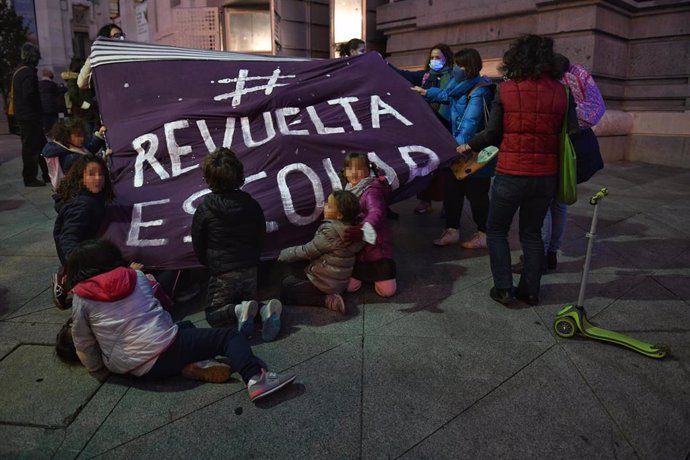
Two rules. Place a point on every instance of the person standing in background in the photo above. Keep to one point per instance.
(29, 114)
(52, 101)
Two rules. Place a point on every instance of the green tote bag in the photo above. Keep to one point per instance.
(567, 172)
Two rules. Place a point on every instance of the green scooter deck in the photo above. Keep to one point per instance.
(571, 316)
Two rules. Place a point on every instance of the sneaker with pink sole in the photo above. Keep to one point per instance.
(266, 383)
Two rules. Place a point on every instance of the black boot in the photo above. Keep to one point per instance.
(504, 296)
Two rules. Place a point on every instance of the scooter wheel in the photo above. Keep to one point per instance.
(564, 327)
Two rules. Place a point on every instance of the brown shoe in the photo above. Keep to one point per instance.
(207, 371)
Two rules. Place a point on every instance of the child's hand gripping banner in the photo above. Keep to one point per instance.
(290, 121)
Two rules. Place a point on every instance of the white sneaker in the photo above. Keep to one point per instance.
(478, 241)
(245, 312)
(270, 316)
(449, 236)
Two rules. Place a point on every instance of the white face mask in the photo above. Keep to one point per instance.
(436, 64)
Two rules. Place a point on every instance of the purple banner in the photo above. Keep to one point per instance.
(291, 122)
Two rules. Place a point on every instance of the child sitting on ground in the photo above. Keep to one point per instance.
(227, 234)
(331, 257)
(80, 202)
(375, 262)
(69, 143)
(119, 326)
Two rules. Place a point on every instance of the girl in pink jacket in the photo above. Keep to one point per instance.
(375, 262)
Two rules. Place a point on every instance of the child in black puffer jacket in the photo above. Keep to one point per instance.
(227, 234)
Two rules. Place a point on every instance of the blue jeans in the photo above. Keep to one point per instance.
(554, 226)
(532, 195)
(192, 345)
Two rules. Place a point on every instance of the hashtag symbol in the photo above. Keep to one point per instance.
(241, 89)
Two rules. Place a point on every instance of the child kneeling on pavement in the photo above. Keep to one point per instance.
(227, 234)
(332, 257)
(119, 326)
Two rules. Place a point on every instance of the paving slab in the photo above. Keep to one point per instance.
(546, 410)
(648, 398)
(422, 394)
(22, 279)
(45, 393)
(28, 442)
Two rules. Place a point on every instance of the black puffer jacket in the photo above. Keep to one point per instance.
(228, 230)
(78, 220)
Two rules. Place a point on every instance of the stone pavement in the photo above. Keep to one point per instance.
(438, 371)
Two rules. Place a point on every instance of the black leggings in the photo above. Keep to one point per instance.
(477, 191)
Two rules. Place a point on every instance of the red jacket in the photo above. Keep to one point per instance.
(533, 113)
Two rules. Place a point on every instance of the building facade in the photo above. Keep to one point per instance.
(638, 51)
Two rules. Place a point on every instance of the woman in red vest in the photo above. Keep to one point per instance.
(526, 120)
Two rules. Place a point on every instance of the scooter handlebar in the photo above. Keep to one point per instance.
(599, 196)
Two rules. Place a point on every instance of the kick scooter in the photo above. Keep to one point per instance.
(573, 318)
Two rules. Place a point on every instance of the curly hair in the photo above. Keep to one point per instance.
(73, 182)
(61, 131)
(528, 57)
(223, 171)
(445, 50)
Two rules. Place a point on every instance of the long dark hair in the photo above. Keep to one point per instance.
(346, 49)
(528, 57)
(64, 344)
(445, 50)
(92, 258)
(73, 182)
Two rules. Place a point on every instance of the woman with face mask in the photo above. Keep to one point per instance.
(436, 74)
(468, 95)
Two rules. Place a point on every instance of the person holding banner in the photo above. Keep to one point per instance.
(353, 47)
(469, 96)
(228, 230)
(80, 202)
(437, 74)
(526, 121)
(331, 257)
(375, 261)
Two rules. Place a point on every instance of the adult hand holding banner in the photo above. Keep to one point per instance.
(291, 122)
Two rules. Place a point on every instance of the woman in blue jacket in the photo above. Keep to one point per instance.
(469, 96)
